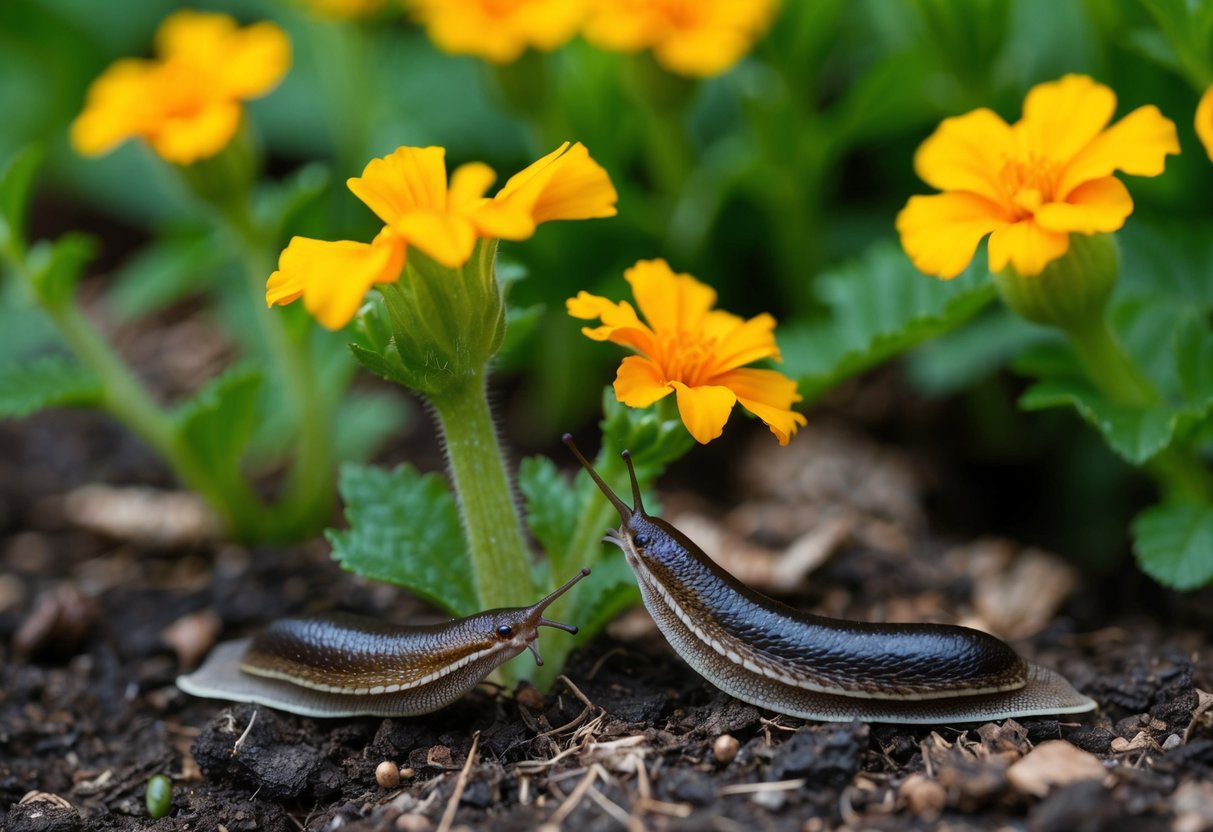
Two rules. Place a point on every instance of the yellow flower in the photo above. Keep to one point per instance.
(692, 350)
(186, 104)
(498, 30)
(690, 37)
(1031, 184)
(1204, 121)
(408, 190)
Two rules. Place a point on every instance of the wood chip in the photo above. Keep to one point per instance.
(192, 636)
(924, 797)
(1053, 764)
(146, 516)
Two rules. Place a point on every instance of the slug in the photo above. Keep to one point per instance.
(770, 655)
(340, 665)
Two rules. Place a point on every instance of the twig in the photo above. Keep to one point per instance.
(574, 797)
(754, 788)
(614, 651)
(448, 816)
(239, 743)
(576, 691)
(615, 810)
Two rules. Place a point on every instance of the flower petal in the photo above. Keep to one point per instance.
(564, 185)
(704, 410)
(1026, 246)
(669, 301)
(740, 341)
(769, 396)
(1098, 205)
(118, 106)
(448, 238)
(333, 277)
(1204, 121)
(940, 233)
(1061, 117)
(257, 58)
(620, 323)
(639, 382)
(410, 179)
(1138, 145)
(469, 183)
(199, 134)
(967, 153)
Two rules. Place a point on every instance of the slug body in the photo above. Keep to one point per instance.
(340, 665)
(770, 655)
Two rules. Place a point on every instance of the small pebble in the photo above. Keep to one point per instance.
(725, 748)
(413, 822)
(159, 796)
(387, 774)
(924, 797)
(530, 697)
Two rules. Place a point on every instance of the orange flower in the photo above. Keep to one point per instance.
(1204, 121)
(1031, 184)
(186, 105)
(690, 37)
(692, 350)
(498, 30)
(408, 190)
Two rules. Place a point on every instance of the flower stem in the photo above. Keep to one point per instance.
(486, 503)
(1112, 370)
(306, 501)
(1178, 471)
(127, 400)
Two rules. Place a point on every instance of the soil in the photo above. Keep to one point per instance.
(631, 738)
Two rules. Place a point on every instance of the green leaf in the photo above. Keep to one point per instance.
(1194, 359)
(365, 419)
(880, 306)
(58, 266)
(404, 529)
(46, 382)
(219, 419)
(608, 592)
(1136, 433)
(163, 272)
(386, 364)
(16, 183)
(552, 506)
(1174, 544)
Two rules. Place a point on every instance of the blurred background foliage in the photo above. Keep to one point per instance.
(776, 182)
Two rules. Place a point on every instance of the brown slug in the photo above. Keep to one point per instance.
(338, 664)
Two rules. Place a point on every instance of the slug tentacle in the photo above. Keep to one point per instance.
(771, 655)
(347, 665)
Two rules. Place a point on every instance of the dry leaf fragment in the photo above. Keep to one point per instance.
(1052, 764)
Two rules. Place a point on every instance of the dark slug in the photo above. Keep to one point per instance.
(773, 656)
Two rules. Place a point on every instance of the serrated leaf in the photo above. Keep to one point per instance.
(1174, 544)
(880, 306)
(404, 529)
(552, 506)
(46, 382)
(219, 419)
(611, 590)
(16, 183)
(58, 266)
(1136, 433)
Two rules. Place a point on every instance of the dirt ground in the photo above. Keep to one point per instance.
(98, 614)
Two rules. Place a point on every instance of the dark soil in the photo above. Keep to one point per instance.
(633, 739)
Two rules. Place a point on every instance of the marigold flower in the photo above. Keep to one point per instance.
(186, 104)
(408, 190)
(1031, 184)
(498, 30)
(1204, 121)
(691, 37)
(692, 350)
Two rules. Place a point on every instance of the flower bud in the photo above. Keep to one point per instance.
(1072, 291)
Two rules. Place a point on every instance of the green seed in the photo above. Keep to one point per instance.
(159, 796)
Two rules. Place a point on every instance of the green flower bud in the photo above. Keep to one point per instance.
(438, 327)
(1072, 292)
